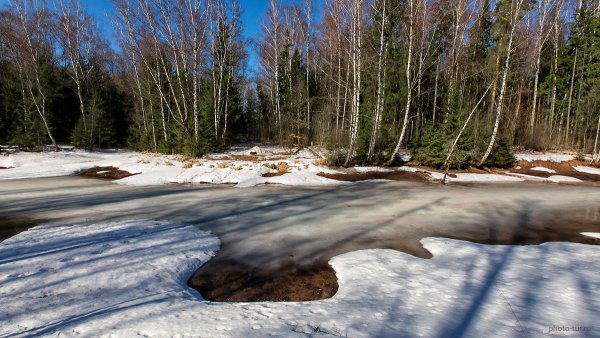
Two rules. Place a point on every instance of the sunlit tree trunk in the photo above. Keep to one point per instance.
(515, 11)
(409, 84)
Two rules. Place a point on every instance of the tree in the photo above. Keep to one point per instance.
(31, 49)
(514, 15)
(79, 39)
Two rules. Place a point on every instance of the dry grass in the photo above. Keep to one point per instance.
(185, 158)
(281, 167)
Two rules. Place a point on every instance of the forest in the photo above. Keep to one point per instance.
(455, 82)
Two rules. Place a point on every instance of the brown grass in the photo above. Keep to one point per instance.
(281, 167)
(231, 281)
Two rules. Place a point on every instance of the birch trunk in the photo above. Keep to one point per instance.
(596, 153)
(380, 84)
(356, 70)
(408, 84)
(567, 127)
(542, 11)
(455, 142)
(514, 23)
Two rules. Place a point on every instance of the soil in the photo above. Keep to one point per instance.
(231, 281)
(225, 280)
(4, 168)
(374, 175)
(279, 173)
(562, 168)
(109, 173)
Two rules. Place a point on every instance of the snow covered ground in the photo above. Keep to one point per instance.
(588, 170)
(233, 167)
(128, 279)
(550, 156)
(242, 166)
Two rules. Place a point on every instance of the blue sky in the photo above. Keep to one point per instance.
(252, 13)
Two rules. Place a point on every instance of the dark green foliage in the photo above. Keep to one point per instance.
(433, 147)
(502, 156)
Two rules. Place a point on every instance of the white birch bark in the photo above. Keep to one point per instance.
(380, 83)
(409, 84)
(446, 165)
(515, 11)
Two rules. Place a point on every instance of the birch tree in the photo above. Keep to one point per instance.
(515, 12)
(31, 45)
(381, 72)
(270, 54)
(78, 36)
(542, 32)
(412, 13)
(357, 9)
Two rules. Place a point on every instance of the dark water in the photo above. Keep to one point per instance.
(10, 226)
(225, 280)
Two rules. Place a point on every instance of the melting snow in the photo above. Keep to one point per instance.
(552, 157)
(589, 170)
(592, 234)
(566, 179)
(154, 169)
(129, 278)
(552, 171)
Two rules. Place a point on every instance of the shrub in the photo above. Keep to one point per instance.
(502, 156)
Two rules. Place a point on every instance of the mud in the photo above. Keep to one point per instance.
(108, 173)
(562, 168)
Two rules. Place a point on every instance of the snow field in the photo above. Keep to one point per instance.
(240, 166)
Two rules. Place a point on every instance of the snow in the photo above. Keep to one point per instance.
(469, 177)
(303, 167)
(551, 157)
(552, 171)
(155, 169)
(365, 169)
(592, 234)
(529, 177)
(254, 151)
(129, 279)
(565, 179)
(552, 179)
(589, 170)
